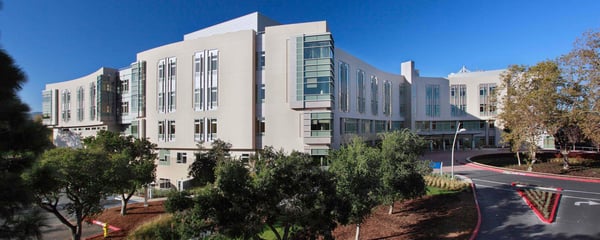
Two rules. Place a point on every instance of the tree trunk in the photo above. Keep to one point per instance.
(79, 220)
(286, 231)
(274, 231)
(357, 232)
(391, 208)
(518, 158)
(565, 155)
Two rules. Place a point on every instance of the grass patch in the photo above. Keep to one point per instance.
(438, 191)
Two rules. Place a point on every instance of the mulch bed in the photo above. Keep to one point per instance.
(447, 216)
(136, 214)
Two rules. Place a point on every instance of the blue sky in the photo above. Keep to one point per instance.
(60, 40)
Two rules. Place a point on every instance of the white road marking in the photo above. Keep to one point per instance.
(575, 191)
(584, 198)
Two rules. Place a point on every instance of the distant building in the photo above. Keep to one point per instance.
(254, 82)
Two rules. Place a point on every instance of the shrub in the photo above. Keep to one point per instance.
(161, 227)
(445, 182)
(178, 201)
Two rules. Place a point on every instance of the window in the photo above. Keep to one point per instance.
(164, 157)
(212, 129)
(486, 106)
(161, 86)
(260, 126)
(458, 99)
(80, 104)
(92, 101)
(387, 98)
(125, 108)
(315, 68)
(125, 86)
(320, 124)
(171, 131)
(432, 100)
(343, 77)
(161, 131)
(213, 80)
(360, 81)
(66, 105)
(164, 183)
(350, 126)
(199, 82)
(172, 85)
(260, 60)
(374, 96)
(199, 130)
(181, 157)
(260, 93)
(402, 99)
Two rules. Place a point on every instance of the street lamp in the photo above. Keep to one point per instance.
(453, 143)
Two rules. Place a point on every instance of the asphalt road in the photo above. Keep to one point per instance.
(506, 216)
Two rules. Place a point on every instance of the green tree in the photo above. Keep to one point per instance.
(530, 104)
(401, 170)
(203, 167)
(132, 162)
(230, 207)
(355, 169)
(21, 142)
(79, 175)
(581, 69)
(296, 195)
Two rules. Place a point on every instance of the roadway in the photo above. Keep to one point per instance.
(506, 216)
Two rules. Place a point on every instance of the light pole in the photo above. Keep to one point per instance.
(453, 143)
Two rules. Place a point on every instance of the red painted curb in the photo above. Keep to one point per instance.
(530, 174)
(476, 230)
(115, 229)
(536, 211)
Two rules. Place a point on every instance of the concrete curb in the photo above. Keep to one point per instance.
(530, 174)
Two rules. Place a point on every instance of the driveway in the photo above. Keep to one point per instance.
(506, 216)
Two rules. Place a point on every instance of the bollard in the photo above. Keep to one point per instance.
(105, 229)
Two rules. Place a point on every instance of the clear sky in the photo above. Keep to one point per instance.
(60, 40)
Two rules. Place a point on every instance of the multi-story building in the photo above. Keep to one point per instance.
(253, 82)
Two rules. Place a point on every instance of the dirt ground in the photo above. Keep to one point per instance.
(136, 214)
(449, 216)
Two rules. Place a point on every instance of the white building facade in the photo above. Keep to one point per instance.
(253, 82)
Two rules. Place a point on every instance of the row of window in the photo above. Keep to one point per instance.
(458, 100)
(366, 126)
(344, 99)
(450, 126)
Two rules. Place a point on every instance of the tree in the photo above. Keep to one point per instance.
(530, 105)
(231, 206)
(203, 167)
(21, 142)
(132, 162)
(80, 175)
(296, 195)
(581, 68)
(355, 170)
(401, 170)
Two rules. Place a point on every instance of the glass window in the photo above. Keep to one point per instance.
(198, 99)
(199, 130)
(343, 78)
(212, 129)
(171, 130)
(374, 96)
(161, 130)
(387, 98)
(432, 100)
(360, 81)
(181, 157)
(260, 126)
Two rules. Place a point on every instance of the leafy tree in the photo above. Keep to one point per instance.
(80, 175)
(21, 142)
(203, 167)
(355, 170)
(296, 195)
(401, 170)
(230, 207)
(530, 104)
(132, 162)
(581, 68)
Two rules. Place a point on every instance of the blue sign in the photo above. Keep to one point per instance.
(436, 165)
